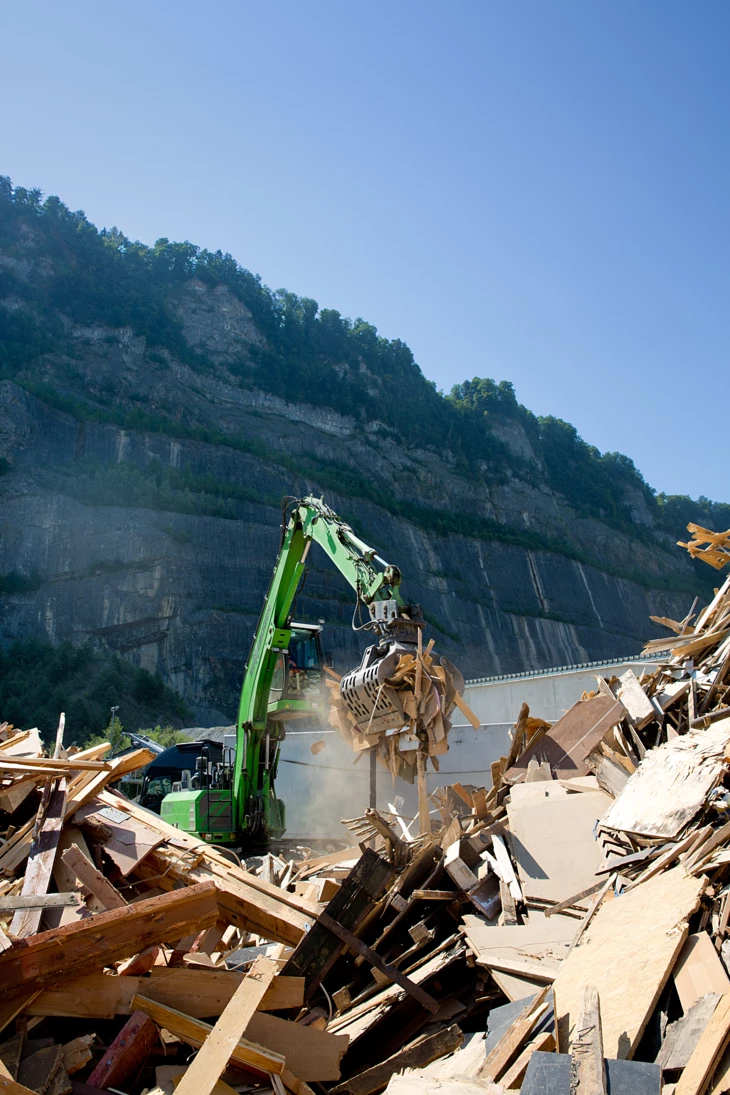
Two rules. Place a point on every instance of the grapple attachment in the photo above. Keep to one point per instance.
(372, 704)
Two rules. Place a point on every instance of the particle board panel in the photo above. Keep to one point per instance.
(628, 952)
(672, 783)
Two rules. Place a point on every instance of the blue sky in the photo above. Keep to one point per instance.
(533, 191)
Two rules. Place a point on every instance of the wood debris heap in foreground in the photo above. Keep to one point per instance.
(564, 930)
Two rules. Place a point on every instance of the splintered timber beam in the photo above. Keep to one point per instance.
(87, 945)
(320, 948)
(42, 855)
(374, 959)
(127, 1053)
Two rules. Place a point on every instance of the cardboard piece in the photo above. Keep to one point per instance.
(699, 971)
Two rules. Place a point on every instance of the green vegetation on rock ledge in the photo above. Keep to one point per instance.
(39, 680)
(80, 275)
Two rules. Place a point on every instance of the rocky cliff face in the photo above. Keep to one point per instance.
(143, 459)
(109, 526)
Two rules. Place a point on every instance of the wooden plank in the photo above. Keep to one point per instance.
(466, 710)
(14, 796)
(40, 901)
(126, 1056)
(426, 1049)
(513, 1077)
(214, 1055)
(92, 879)
(89, 944)
(206, 993)
(707, 847)
(588, 1071)
(52, 766)
(569, 741)
(520, 967)
(699, 970)
(682, 1036)
(651, 924)
(505, 869)
(518, 736)
(710, 1047)
(509, 1044)
(424, 814)
(672, 783)
(195, 1032)
(42, 854)
(574, 900)
(638, 706)
(77, 1053)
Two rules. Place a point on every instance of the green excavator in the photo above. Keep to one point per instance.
(230, 799)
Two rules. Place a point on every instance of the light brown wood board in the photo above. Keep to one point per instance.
(708, 1052)
(204, 993)
(195, 1032)
(638, 705)
(213, 1056)
(42, 855)
(311, 1054)
(628, 952)
(51, 956)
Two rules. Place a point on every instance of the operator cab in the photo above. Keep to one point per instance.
(298, 673)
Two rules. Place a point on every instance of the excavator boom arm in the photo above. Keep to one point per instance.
(372, 579)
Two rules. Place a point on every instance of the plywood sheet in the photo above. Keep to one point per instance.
(551, 839)
(671, 783)
(567, 744)
(628, 953)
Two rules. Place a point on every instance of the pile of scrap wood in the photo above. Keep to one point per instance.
(407, 716)
(563, 930)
